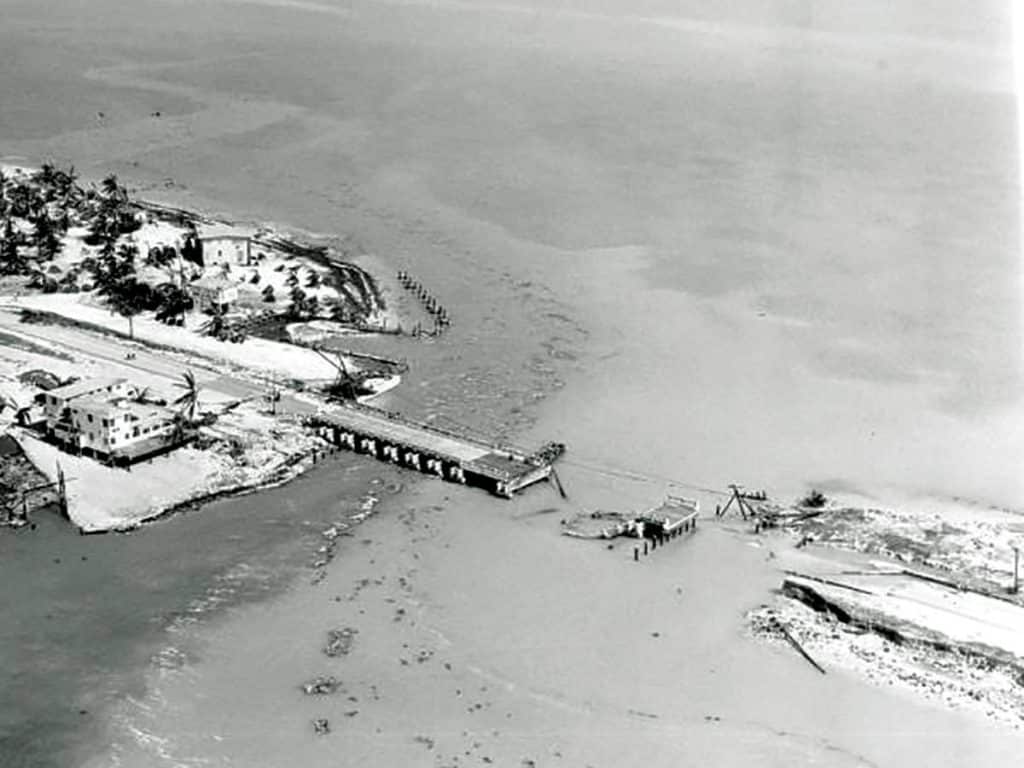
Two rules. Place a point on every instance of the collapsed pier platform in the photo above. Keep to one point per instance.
(455, 457)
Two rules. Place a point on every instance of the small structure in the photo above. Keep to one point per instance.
(214, 292)
(673, 516)
(224, 244)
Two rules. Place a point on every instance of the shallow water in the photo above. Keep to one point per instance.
(85, 616)
(774, 253)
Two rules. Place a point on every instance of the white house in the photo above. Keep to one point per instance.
(97, 417)
(223, 244)
(109, 427)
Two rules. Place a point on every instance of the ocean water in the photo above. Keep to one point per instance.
(84, 616)
(767, 242)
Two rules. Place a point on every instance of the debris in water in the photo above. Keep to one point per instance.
(339, 641)
(320, 686)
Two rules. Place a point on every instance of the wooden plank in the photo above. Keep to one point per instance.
(799, 648)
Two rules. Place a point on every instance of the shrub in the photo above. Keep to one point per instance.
(815, 499)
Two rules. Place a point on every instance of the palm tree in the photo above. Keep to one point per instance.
(217, 325)
(113, 191)
(11, 260)
(129, 297)
(178, 430)
(188, 400)
(46, 178)
(172, 303)
(22, 200)
(46, 239)
(65, 183)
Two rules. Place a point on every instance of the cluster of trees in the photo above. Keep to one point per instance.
(111, 214)
(220, 327)
(303, 306)
(37, 212)
(113, 272)
(43, 203)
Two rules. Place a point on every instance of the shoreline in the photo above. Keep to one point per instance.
(715, 328)
(290, 471)
(42, 313)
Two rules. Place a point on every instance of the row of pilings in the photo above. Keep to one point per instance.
(394, 453)
(662, 536)
(432, 306)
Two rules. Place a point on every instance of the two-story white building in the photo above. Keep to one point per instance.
(110, 427)
(98, 417)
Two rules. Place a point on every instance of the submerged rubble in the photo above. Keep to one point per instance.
(321, 686)
(340, 641)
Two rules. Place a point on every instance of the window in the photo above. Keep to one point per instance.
(90, 418)
(135, 432)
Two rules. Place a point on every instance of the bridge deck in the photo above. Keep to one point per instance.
(427, 448)
(416, 436)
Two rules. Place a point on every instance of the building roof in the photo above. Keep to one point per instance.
(225, 232)
(85, 387)
(118, 406)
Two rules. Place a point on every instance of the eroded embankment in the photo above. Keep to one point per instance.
(839, 626)
(895, 629)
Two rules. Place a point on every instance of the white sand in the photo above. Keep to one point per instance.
(263, 357)
(102, 499)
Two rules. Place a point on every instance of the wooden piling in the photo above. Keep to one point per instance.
(1016, 572)
(799, 648)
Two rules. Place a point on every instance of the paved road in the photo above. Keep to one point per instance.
(81, 342)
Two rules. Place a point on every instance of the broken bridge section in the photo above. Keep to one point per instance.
(452, 456)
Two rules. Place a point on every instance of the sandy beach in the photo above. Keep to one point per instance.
(706, 246)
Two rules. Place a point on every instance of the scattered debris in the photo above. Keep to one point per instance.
(339, 641)
(321, 686)
(321, 726)
(425, 741)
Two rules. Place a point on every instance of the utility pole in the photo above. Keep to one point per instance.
(62, 491)
(1016, 572)
(738, 496)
